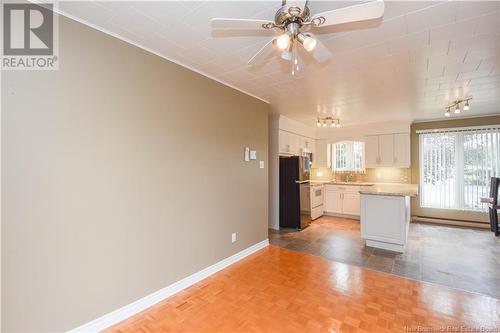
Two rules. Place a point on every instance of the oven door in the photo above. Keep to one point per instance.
(316, 196)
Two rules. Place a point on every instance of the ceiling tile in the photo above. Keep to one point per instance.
(406, 65)
(432, 17)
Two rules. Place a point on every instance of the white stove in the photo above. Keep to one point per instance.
(316, 200)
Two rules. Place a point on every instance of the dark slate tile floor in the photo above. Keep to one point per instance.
(463, 258)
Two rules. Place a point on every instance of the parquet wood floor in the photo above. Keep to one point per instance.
(278, 290)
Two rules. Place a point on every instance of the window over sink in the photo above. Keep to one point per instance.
(348, 156)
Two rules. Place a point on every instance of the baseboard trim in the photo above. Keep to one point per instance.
(457, 223)
(131, 309)
(345, 216)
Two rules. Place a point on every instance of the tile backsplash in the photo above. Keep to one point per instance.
(376, 175)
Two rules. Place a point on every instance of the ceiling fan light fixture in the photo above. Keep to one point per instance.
(308, 42)
(283, 41)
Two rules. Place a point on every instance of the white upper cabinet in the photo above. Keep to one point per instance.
(371, 151)
(402, 144)
(284, 142)
(294, 144)
(387, 150)
(321, 155)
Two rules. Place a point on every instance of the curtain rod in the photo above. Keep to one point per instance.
(458, 129)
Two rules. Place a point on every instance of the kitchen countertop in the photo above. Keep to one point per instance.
(410, 190)
(395, 189)
(319, 182)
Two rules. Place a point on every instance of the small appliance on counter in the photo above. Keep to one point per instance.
(295, 191)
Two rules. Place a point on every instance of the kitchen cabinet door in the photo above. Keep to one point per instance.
(402, 150)
(371, 151)
(333, 202)
(350, 204)
(284, 142)
(320, 158)
(386, 149)
(295, 142)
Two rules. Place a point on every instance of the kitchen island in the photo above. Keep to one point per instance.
(385, 215)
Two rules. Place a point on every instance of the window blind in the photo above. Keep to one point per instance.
(456, 166)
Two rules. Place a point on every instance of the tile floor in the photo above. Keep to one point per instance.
(463, 258)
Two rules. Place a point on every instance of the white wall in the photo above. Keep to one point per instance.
(293, 126)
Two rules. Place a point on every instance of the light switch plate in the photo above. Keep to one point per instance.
(261, 164)
(247, 154)
(253, 154)
(233, 237)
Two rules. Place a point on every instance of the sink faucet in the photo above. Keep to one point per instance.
(349, 177)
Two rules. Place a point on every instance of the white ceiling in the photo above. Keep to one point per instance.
(409, 65)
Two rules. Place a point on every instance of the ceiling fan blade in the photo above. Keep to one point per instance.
(321, 53)
(230, 23)
(264, 51)
(364, 11)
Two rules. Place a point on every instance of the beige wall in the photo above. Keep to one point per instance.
(122, 173)
(415, 172)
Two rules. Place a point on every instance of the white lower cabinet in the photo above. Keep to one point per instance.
(342, 199)
(351, 203)
(333, 202)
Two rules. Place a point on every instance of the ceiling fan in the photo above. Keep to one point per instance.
(293, 20)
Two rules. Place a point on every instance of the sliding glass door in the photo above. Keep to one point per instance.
(456, 166)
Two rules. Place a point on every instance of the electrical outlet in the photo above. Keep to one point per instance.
(261, 164)
(233, 237)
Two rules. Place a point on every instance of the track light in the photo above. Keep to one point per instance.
(466, 106)
(307, 41)
(283, 41)
(323, 122)
(456, 106)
